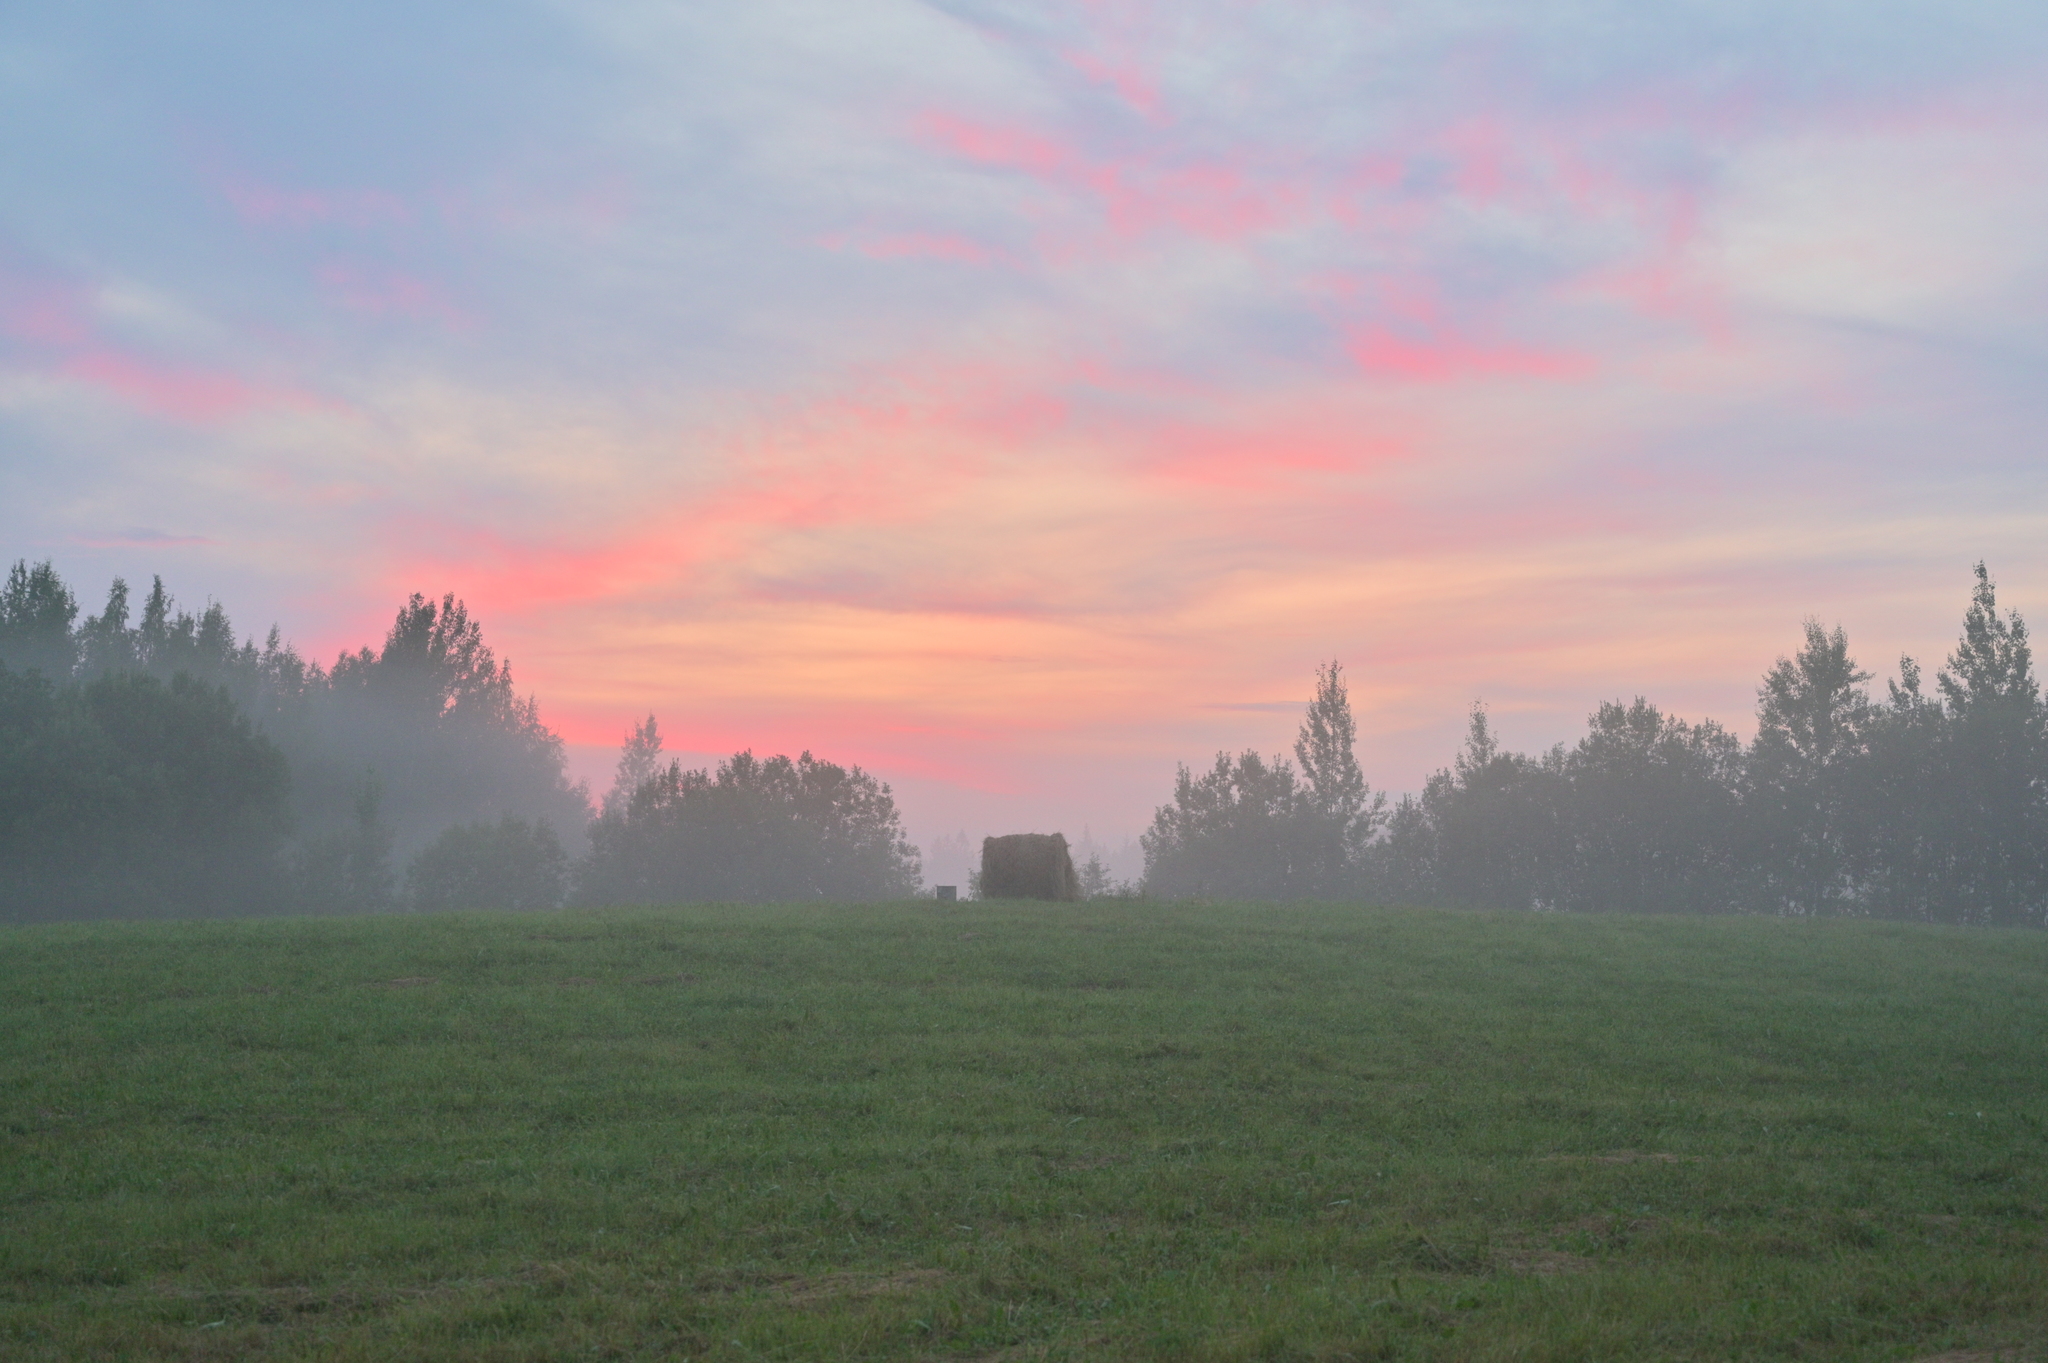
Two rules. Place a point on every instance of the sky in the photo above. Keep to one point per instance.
(1019, 400)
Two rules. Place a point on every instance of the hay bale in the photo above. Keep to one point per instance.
(1028, 866)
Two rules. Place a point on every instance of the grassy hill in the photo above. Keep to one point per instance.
(1021, 1132)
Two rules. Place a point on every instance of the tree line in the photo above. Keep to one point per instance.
(1923, 803)
(151, 764)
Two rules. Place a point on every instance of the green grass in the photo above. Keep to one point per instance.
(1019, 1132)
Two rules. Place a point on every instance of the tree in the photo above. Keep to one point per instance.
(1249, 828)
(756, 831)
(126, 795)
(639, 760)
(348, 870)
(1237, 831)
(36, 611)
(1992, 774)
(1344, 811)
(1991, 671)
(1492, 823)
(1950, 795)
(438, 716)
(105, 643)
(1812, 740)
(1402, 866)
(512, 865)
(1651, 811)
(386, 750)
(1898, 807)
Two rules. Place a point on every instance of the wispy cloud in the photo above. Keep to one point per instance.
(980, 390)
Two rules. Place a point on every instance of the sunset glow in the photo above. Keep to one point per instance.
(1019, 400)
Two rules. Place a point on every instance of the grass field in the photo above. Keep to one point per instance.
(1018, 1132)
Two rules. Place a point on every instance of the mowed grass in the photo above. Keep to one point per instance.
(1009, 1131)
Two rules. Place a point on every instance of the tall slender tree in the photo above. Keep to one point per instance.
(1813, 722)
(1996, 778)
(1343, 810)
(639, 762)
(36, 611)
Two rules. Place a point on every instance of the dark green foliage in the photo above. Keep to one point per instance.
(639, 763)
(1342, 812)
(1493, 825)
(1641, 815)
(433, 713)
(1931, 807)
(1235, 831)
(1092, 879)
(127, 795)
(1805, 769)
(348, 869)
(1249, 827)
(385, 750)
(436, 715)
(36, 611)
(512, 864)
(772, 830)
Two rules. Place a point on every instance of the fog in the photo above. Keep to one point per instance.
(152, 764)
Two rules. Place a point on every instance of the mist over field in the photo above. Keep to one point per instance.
(1049, 682)
(1019, 400)
(161, 768)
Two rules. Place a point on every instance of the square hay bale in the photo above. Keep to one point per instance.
(1028, 866)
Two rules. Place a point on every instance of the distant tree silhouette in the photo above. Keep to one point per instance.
(348, 869)
(1811, 749)
(384, 751)
(1922, 806)
(773, 830)
(639, 762)
(1240, 830)
(512, 865)
(36, 611)
(1343, 811)
(129, 796)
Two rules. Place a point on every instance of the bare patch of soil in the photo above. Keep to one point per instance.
(1020, 1353)
(1542, 1263)
(1609, 1225)
(1087, 1162)
(854, 1286)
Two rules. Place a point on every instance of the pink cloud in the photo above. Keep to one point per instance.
(1440, 358)
(1238, 460)
(43, 315)
(1136, 196)
(57, 333)
(383, 293)
(184, 394)
(1401, 329)
(1123, 75)
(198, 396)
(268, 206)
(918, 246)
